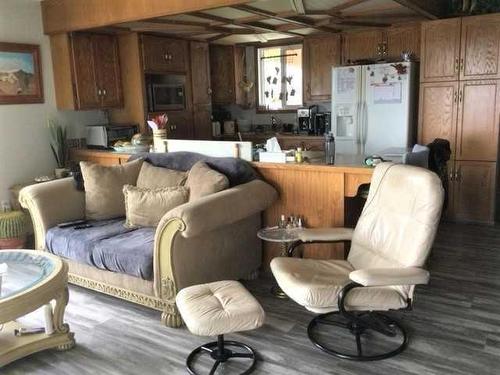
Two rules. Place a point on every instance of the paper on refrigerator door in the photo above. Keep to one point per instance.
(387, 93)
(345, 84)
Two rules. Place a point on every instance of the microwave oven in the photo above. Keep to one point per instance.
(104, 136)
(166, 92)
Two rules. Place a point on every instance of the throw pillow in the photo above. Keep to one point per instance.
(203, 180)
(104, 188)
(145, 207)
(158, 177)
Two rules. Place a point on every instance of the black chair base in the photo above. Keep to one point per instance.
(220, 354)
(362, 324)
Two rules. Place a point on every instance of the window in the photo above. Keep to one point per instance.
(280, 77)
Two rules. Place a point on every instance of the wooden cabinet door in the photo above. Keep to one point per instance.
(403, 38)
(480, 52)
(438, 112)
(200, 73)
(440, 50)
(320, 55)
(474, 191)
(478, 120)
(107, 65)
(164, 55)
(83, 72)
(222, 75)
(361, 45)
(180, 125)
(202, 122)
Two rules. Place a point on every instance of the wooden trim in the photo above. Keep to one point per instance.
(71, 15)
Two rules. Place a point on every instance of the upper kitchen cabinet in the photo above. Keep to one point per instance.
(86, 71)
(320, 54)
(227, 71)
(361, 45)
(162, 54)
(480, 50)
(440, 50)
(403, 38)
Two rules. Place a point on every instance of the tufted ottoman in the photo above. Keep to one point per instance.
(215, 309)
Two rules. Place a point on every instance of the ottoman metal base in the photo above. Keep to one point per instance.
(220, 354)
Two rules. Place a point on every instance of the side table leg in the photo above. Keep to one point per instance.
(61, 301)
(275, 289)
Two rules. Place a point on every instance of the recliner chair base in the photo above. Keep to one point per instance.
(360, 324)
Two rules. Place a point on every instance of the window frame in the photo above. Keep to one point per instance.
(258, 107)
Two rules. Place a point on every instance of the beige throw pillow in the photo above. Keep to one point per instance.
(104, 188)
(158, 177)
(146, 207)
(203, 180)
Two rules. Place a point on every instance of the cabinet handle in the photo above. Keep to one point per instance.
(451, 175)
(457, 65)
(462, 64)
(104, 92)
(460, 96)
(209, 91)
(455, 97)
(458, 175)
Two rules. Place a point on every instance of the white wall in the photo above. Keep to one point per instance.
(24, 143)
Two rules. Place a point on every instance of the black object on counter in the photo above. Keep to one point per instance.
(329, 148)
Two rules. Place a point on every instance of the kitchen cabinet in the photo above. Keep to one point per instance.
(361, 45)
(202, 92)
(440, 50)
(438, 112)
(164, 55)
(478, 120)
(86, 71)
(320, 54)
(227, 70)
(473, 197)
(402, 38)
(480, 50)
(180, 125)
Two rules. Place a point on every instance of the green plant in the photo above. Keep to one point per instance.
(58, 142)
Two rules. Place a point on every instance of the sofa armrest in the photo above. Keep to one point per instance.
(390, 276)
(51, 203)
(222, 208)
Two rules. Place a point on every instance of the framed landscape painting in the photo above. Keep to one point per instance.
(20, 74)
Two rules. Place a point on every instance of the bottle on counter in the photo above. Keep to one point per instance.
(329, 148)
(299, 156)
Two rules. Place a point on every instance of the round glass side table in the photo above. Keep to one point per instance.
(284, 236)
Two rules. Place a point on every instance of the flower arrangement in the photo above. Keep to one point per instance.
(158, 122)
(58, 142)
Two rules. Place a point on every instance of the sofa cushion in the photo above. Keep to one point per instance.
(108, 245)
(145, 207)
(238, 171)
(104, 188)
(130, 253)
(158, 177)
(203, 180)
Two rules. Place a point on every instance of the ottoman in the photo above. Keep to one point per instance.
(216, 309)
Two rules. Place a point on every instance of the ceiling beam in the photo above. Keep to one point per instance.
(298, 6)
(217, 37)
(346, 5)
(201, 26)
(337, 21)
(428, 9)
(294, 19)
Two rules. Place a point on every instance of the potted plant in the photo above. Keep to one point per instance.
(58, 147)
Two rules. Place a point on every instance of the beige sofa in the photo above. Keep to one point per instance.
(212, 238)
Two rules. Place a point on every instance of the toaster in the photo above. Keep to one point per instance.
(104, 136)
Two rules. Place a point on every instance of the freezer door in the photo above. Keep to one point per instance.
(386, 111)
(346, 100)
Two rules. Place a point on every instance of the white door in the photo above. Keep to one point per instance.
(386, 110)
(346, 100)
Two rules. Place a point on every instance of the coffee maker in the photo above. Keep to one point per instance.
(321, 123)
(305, 117)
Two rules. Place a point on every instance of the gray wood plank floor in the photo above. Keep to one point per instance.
(455, 326)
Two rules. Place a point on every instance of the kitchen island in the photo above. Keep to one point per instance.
(316, 192)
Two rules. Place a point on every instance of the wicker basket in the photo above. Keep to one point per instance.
(12, 230)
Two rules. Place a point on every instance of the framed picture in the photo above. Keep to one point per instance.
(20, 74)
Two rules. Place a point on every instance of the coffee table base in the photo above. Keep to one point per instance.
(13, 347)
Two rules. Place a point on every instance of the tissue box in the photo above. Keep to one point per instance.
(272, 157)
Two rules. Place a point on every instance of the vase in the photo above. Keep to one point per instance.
(159, 137)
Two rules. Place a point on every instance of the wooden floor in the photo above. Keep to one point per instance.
(455, 326)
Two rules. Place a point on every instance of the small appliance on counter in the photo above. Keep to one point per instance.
(305, 117)
(321, 123)
(105, 136)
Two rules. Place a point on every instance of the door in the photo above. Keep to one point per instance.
(361, 45)
(478, 120)
(200, 73)
(480, 53)
(83, 72)
(107, 65)
(437, 118)
(180, 125)
(440, 51)
(164, 55)
(222, 75)
(320, 54)
(474, 191)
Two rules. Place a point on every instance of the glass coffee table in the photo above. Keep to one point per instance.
(284, 236)
(29, 280)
